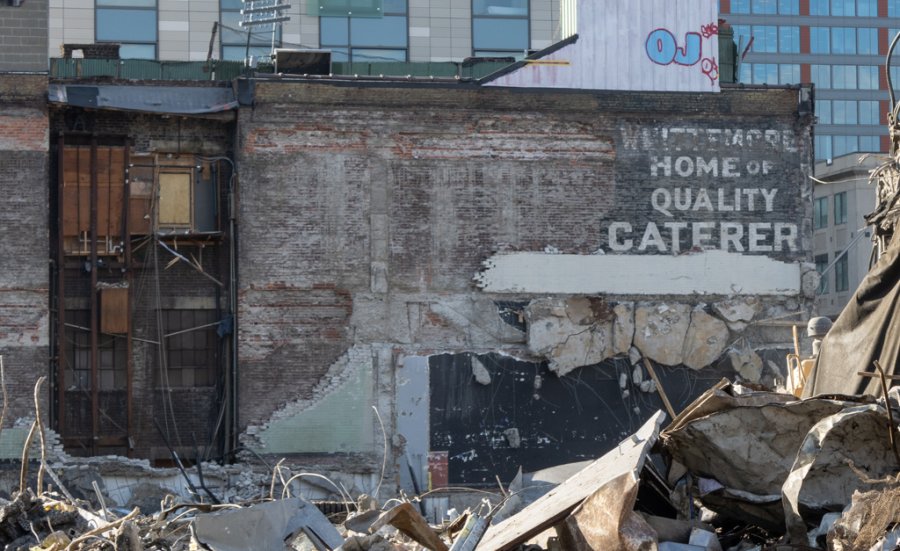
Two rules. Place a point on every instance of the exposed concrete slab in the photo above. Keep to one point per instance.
(709, 272)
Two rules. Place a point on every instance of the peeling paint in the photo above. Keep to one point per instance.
(338, 419)
(709, 272)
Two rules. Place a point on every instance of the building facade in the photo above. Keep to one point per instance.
(23, 35)
(839, 45)
(843, 196)
(392, 30)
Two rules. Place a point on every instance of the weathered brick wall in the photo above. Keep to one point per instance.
(158, 286)
(394, 195)
(24, 293)
(23, 36)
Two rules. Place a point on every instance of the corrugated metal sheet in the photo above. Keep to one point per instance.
(183, 100)
(648, 45)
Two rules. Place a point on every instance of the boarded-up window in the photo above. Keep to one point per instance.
(175, 199)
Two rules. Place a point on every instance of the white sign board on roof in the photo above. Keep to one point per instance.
(646, 45)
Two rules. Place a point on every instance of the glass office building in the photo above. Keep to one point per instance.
(840, 45)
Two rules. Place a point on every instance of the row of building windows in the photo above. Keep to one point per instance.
(835, 77)
(499, 28)
(822, 40)
(848, 112)
(861, 8)
(829, 147)
(841, 274)
(820, 210)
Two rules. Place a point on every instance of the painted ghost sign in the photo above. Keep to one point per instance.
(730, 189)
(660, 45)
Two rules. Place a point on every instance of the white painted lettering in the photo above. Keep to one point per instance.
(757, 238)
(723, 207)
(652, 238)
(675, 231)
(614, 242)
(751, 194)
(656, 164)
(661, 200)
(731, 234)
(702, 234)
(729, 167)
(785, 234)
(683, 198)
(710, 168)
(753, 168)
(703, 201)
(684, 166)
(766, 167)
(769, 196)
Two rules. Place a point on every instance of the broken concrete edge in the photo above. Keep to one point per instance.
(579, 330)
(626, 459)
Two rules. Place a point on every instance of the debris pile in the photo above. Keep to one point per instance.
(737, 470)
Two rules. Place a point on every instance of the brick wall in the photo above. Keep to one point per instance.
(24, 293)
(23, 36)
(393, 196)
(158, 286)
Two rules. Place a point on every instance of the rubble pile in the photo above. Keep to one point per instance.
(738, 470)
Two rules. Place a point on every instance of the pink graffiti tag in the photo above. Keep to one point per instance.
(709, 30)
(710, 68)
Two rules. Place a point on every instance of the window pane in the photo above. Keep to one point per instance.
(867, 41)
(386, 31)
(137, 51)
(819, 40)
(823, 147)
(789, 40)
(821, 264)
(395, 6)
(373, 55)
(745, 73)
(128, 3)
(741, 6)
(765, 73)
(500, 7)
(742, 35)
(844, 145)
(840, 208)
(843, 77)
(126, 25)
(868, 112)
(841, 275)
(233, 5)
(765, 38)
(764, 6)
(843, 7)
(820, 7)
(843, 40)
(867, 8)
(820, 214)
(844, 111)
(500, 34)
(334, 31)
(893, 8)
(821, 75)
(823, 111)
(492, 53)
(789, 73)
(789, 7)
(868, 77)
(869, 143)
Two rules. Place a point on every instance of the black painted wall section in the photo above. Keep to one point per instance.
(559, 420)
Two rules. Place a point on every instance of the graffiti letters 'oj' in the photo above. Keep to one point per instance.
(663, 48)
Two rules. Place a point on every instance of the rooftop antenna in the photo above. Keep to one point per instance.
(258, 13)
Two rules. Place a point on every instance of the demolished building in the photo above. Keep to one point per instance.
(443, 278)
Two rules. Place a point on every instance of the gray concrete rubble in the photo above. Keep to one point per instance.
(736, 470)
